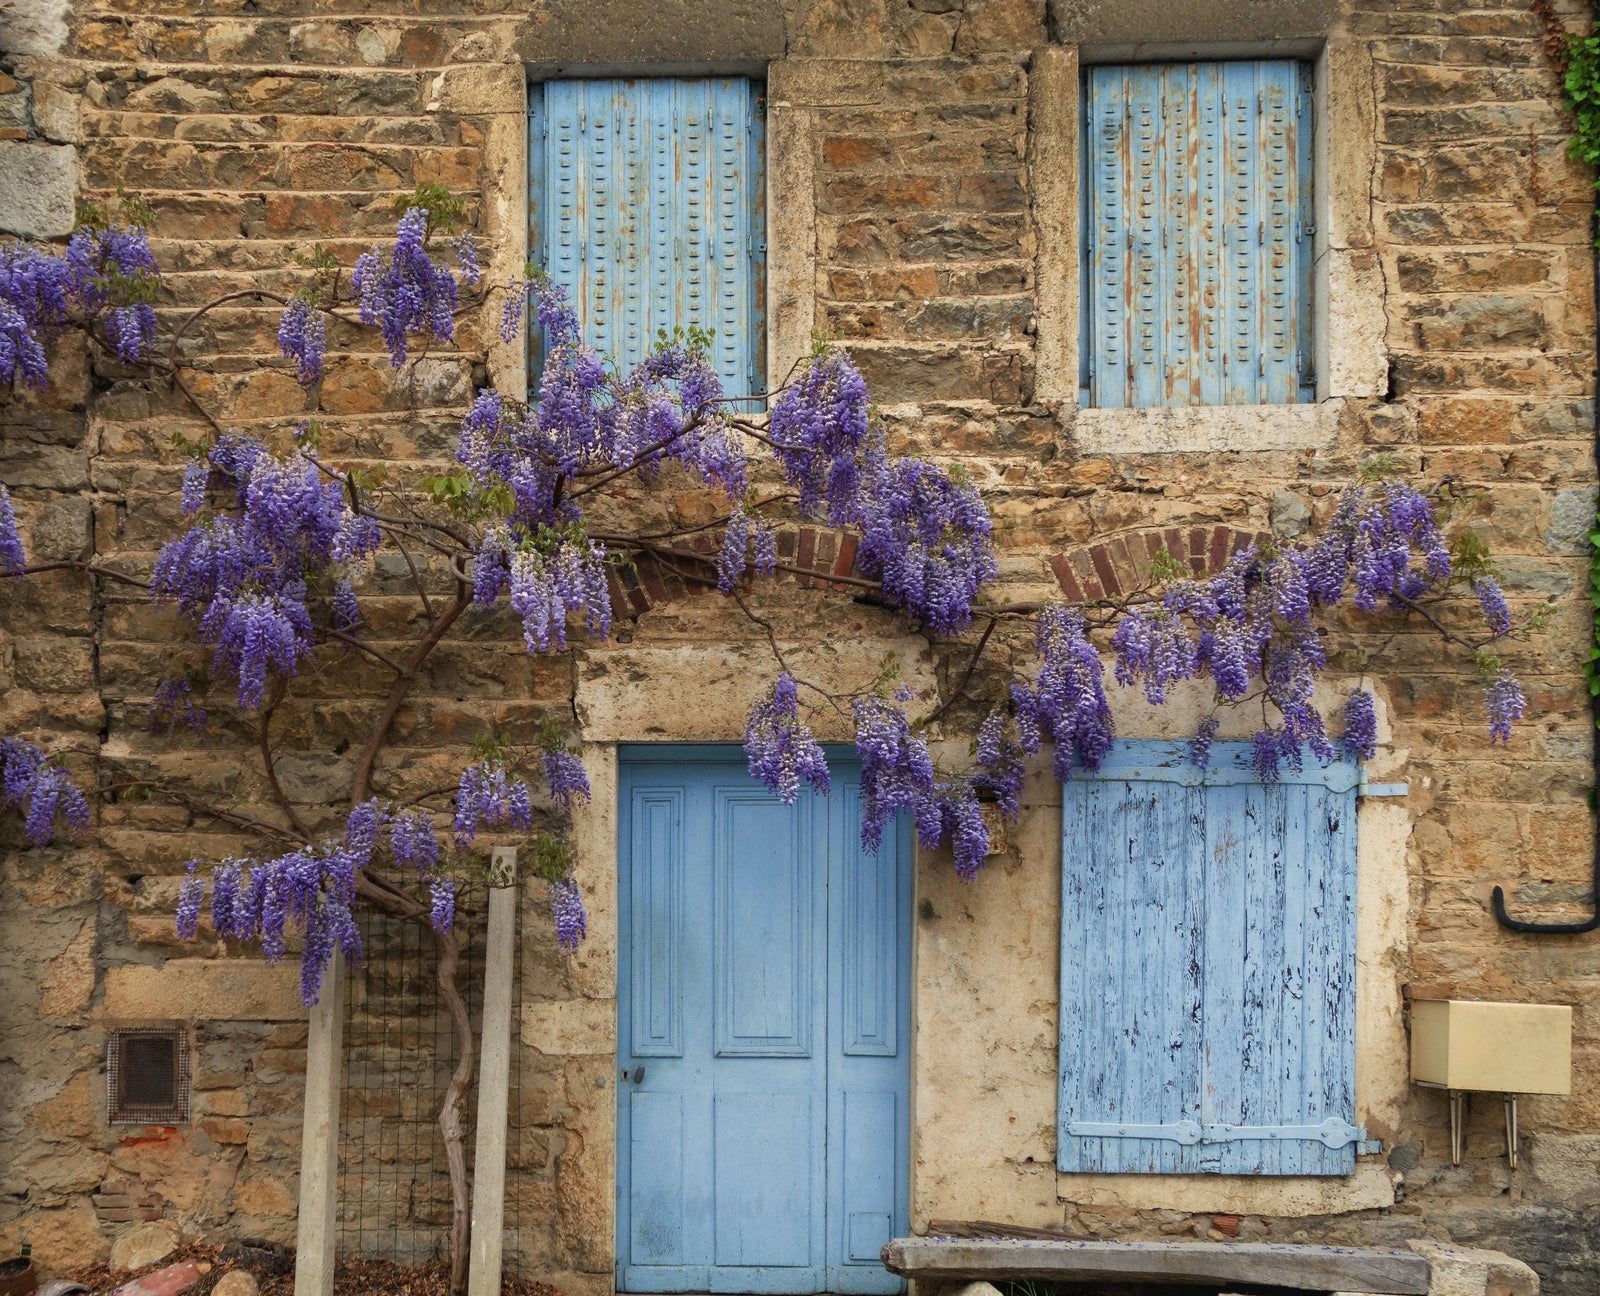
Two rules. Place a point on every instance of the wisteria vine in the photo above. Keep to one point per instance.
(273, 565)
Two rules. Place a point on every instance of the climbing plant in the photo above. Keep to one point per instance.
(271, 575)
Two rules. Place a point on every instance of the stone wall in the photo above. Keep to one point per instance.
(922, 212)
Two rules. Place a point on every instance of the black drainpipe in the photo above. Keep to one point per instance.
(1499, 898)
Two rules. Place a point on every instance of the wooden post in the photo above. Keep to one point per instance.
(494, 1074)
(319, 1140)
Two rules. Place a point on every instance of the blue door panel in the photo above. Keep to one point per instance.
(656, 1150)
(655, 1000)
(764, 923)
(765, 1177)
(762, 1061)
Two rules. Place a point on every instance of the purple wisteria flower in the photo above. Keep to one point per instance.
(303, 338)
(511, 312)
(565, 776)
(41, 789)
(105, 274)
(407, 291)
(309, 889)
(174, 703)
(896, 767)
(12, 559)
(1067, 704)
(189, 898)
(489, 796)
(1200, 744)
(820, 426)
(571, 920)
(1493, 602)
(1507, 704)
(925, 536)
(1360, 741)
(779, 748)
(467, 258)
(413, 841)
(196, 480)
(563, 577)
(241, 576)
(442, 904)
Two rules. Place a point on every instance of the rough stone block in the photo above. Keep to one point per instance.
(204, 990)
(38, 183)
(145, 1244)
(1466, 1271)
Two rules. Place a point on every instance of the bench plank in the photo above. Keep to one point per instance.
(1279, 1264)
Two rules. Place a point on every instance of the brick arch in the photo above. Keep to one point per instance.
(1114, 567)
(820, 553)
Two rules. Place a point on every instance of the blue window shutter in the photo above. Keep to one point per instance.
(1197, 234)
(646, 204)
(1207, 967)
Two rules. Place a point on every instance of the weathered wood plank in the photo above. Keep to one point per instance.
(1306, 1268)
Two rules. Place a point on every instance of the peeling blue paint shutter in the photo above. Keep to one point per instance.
(1208, 967)
(1197, 234)
(647, 204)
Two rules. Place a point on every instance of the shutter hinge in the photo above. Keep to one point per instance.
(1333, 1132)
(1365, 789)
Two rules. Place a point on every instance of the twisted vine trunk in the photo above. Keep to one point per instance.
(450, 1124)
(449, 949)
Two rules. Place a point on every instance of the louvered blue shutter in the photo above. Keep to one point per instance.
(1208, 967)
(646, 203)
(1197, 232)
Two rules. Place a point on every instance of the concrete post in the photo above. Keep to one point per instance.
(319, 1144)
(494, 1075)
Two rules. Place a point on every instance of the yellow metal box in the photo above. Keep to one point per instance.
(1500, 1047)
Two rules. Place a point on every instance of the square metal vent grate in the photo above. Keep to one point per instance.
(147, 1076)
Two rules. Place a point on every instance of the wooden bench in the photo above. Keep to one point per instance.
(1259, 1264)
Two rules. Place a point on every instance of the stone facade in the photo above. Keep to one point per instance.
(922, 162)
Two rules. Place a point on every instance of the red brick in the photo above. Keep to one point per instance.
(1065, 578)
(1103, 568)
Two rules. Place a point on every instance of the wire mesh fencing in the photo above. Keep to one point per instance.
(400, 1050)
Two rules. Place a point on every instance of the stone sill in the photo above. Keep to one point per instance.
(1203, 429)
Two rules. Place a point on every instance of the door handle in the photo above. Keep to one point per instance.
(637, 1075)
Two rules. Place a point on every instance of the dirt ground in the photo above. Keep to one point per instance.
(274, 1271)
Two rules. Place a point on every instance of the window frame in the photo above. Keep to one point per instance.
(1348, 329)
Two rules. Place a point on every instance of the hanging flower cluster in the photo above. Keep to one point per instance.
(1251, 626)
(41, 789)
(242, 576)
(310, 889)
(12, 558)
(106, 276)
(779, 749)
(407, 291)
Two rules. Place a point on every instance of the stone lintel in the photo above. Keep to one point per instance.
(1144, 23)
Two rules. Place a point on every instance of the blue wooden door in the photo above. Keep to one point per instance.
(1208, 966)
(764, 1011)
